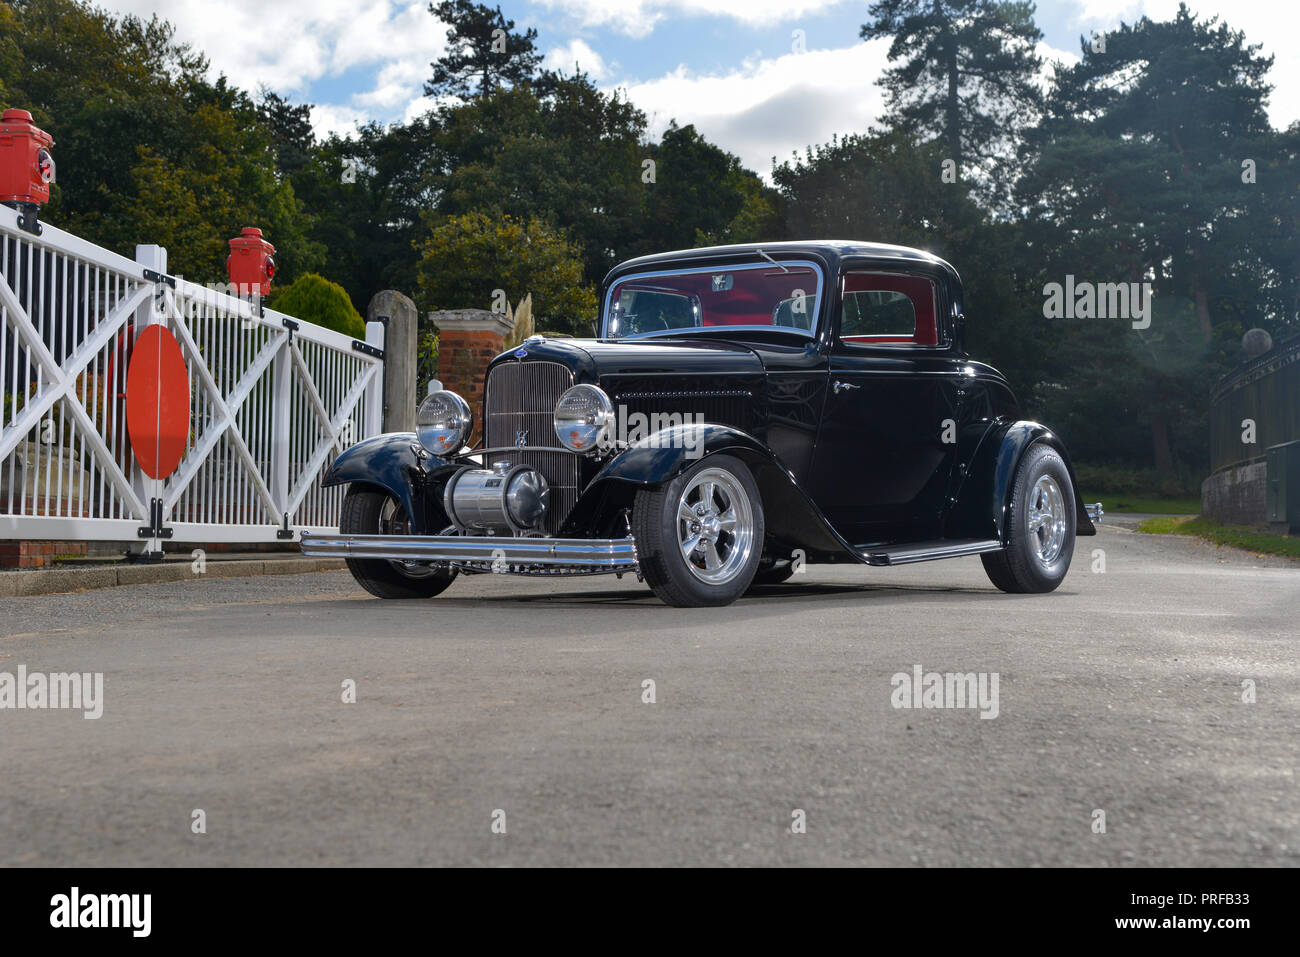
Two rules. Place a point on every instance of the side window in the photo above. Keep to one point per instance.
(881, 312)
(888, 308)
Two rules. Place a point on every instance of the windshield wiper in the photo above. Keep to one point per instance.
(782, 266)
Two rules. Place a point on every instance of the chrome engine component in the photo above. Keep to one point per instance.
(503, 499)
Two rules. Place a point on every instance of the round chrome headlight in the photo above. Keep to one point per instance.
(443, 423)
(584, 418)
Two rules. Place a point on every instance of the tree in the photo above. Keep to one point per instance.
(701, 195)
(570, 155)
(1272, 270)
(882, 186)
(467, 259)
(1138, 161)
(761, 216)
(484, 53)
(149, 149)
(966, 77)
(315, 299)
(193, 188)
(366, 194)
(885, 187)
(290, 128)
(1177, 103)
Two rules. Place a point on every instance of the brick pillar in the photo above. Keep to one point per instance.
(468, 339)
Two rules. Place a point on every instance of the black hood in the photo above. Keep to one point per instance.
(592, 360)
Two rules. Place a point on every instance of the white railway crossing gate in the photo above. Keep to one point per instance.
(272, 400)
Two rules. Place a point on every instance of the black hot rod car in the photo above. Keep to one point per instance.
(745, 410)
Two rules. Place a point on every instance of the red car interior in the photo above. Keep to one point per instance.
(917, 288)
(754, 295)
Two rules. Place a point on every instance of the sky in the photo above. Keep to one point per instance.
(761, 78)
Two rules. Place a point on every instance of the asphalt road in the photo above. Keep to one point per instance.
(1121, 692)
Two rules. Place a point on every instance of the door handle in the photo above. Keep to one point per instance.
(841, 386)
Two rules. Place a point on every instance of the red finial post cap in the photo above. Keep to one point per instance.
(26, 164)
(250, 265)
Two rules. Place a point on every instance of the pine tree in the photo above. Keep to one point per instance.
(484, 53)
(965, 75)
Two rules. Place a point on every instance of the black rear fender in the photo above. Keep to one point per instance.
(981, 507)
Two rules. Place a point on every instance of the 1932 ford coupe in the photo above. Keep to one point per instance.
(744, 411)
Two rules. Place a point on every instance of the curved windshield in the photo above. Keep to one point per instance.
(763, 296)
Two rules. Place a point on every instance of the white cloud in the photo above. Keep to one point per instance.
(343, 120)
(637, 18)
(395, 86)
(762, 107)
(1272, 24)
(772, 107)
(588, 60)
(418, 107)
(290, 45)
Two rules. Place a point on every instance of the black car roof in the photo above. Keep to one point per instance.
(830, 250)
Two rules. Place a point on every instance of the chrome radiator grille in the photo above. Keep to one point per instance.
(520, 398)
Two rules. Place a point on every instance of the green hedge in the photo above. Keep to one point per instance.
(1139, 483)
(315, 299)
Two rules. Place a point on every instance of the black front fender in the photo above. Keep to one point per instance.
(793, 520)
(981, 510)
(390, 462)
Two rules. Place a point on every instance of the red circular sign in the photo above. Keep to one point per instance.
(157, 402)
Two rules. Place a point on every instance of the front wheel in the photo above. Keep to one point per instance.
(700, 537)
(371, 511)
(1040, 526)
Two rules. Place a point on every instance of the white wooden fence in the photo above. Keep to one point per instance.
(272, 402)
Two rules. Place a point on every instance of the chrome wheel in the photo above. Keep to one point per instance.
(1047, 524)
(715, 526)
(367, 510)
(393, 520)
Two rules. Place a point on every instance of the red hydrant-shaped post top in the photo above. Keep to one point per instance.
(26, 165)
(250, 265)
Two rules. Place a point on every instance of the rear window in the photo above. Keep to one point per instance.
(766, 296)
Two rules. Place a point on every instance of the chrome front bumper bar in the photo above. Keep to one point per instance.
(583, 554)
(1094, 512)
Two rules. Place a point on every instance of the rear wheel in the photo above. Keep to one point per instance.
(371, 511)
(1040, 527)
(700, 536)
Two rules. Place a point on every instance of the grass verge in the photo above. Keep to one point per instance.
(1237, 536)
(1111, 502)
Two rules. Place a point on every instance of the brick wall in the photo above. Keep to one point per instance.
(468, 339)
(24, 554)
